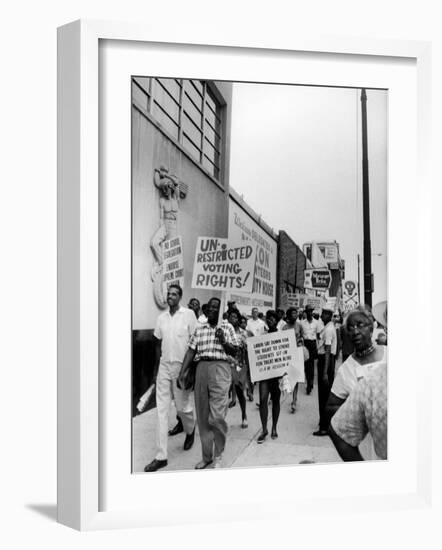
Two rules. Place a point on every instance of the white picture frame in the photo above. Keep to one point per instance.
(79, 293)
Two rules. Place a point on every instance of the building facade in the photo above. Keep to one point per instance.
(180, 191)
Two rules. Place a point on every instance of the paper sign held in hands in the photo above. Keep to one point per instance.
(273, 355)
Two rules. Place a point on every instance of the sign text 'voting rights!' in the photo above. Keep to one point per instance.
(221, 264)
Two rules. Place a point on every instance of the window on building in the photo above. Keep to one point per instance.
(188, 111)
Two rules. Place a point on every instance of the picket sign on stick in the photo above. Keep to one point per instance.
(221, 264)
(275, 354)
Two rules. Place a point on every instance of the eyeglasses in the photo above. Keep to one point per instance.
(359, 326)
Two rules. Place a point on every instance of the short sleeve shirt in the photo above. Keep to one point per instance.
(257, 328)
(351, 372)
(365, 411)
(327, 337)
(174, 331)
(309, 330)
(207, 345)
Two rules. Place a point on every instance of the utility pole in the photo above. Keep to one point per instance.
(368, 276)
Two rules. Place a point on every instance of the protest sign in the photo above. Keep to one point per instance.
(173, 263)
(314, 302)
(350, 295)
(275, 354)
(222, 264)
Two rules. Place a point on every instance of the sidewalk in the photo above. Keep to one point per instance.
(295, 443)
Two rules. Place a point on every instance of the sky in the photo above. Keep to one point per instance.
(296, 159)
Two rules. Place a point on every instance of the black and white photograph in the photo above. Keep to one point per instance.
(259, 274)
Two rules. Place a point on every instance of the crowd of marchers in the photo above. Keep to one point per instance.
(201, 363)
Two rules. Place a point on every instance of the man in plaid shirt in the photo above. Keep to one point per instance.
(210, 346)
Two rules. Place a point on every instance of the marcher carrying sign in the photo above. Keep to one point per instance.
(350, 295)
(221, 264)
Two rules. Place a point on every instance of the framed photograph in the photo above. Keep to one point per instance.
(250, 179)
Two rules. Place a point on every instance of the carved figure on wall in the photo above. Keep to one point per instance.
(171, 192)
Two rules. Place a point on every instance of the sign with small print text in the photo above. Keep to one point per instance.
(274, 354)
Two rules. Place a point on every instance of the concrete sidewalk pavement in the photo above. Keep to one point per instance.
(295, 443)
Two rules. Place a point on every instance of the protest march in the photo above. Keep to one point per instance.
(258, 274)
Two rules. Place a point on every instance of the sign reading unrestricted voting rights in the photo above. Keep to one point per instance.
(275, 354)
(173, 263)
(223, 264)
(244, 228)
(317, 279)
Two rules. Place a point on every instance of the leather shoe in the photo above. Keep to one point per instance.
(188, 442)
(177, 429)
(320, 433)
(155, 465)
(203, 464)
(261, 437)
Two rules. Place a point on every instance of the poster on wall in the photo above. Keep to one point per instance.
(242, 227)
(173, 263)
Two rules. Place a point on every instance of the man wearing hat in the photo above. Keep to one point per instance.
(327, 343)
(309, 330)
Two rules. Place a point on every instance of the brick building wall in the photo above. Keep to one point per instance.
(291, 265)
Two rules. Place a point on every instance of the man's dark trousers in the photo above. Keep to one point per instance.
(324, 387)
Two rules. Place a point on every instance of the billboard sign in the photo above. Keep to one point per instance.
(243, 228)
(317, 279)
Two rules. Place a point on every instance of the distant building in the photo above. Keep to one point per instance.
(326, 254)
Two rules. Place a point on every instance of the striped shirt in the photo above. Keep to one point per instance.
(207, 345)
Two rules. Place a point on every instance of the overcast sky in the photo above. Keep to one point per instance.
(296, 158)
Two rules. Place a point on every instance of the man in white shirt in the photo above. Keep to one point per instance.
(172, 332)
(327, 344)
(309, 332)
(281, 322)
(255, 325)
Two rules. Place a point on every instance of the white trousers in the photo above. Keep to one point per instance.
(166, 390)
